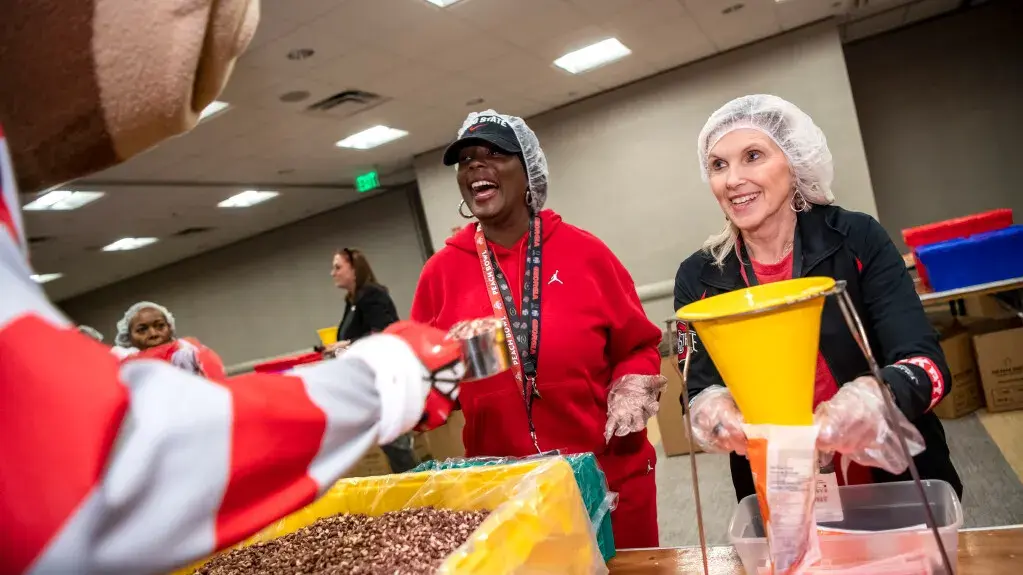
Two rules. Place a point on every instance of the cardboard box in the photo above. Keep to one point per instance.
(374, 462)
(966, 395)
(1000, 363)
(986, 306)
(669, 416)
(446, 441)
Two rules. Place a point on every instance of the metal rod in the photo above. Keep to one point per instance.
(684, 374)
(852, 319)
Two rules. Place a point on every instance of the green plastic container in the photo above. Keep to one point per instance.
(588, 475)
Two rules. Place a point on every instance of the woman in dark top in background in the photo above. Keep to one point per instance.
(368, 309)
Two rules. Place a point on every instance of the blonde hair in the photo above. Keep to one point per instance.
(721, 244)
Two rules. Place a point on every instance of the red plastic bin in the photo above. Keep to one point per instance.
(955, 228)
(282, 364)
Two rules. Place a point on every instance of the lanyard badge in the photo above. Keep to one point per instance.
(522, 329)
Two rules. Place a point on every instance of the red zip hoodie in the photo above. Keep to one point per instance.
(593, 331)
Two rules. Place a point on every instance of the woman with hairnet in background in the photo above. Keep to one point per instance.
(588, 374)
(770, 170)
(147, 331)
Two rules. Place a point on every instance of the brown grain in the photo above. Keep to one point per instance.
(407, 542)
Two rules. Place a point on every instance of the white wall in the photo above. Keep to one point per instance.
(267, 295)
(623, 164)
(940, 107)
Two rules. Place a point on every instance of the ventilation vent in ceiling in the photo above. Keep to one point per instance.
(191, 231)
(346, 104)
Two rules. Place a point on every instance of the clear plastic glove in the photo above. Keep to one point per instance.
(336, 349)
(717, 422)
(632, 401)
(854, 423)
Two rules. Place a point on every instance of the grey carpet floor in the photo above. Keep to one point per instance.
(993, 494)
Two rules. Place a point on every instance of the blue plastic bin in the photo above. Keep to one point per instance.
(979, 259)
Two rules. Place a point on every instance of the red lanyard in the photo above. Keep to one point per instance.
(521, 330)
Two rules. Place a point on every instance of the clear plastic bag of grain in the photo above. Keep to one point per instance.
(526, 517)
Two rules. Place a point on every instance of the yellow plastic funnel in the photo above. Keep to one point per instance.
(764, 341)
(328, 335)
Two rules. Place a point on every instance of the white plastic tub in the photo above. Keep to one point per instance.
(879, 509)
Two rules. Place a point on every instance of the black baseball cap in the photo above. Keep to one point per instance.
(487, 130)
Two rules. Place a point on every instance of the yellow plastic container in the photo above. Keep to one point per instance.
(328, 335)
(764, 342)
(537, 524)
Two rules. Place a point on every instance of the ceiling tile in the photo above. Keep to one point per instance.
(621, 72)
(663, 42)
(354, 70)
(522, 22)
(756, 19)
(601, 10)
(796, 13)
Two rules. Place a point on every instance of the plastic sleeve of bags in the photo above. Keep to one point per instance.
(537, 521)
(590, 478)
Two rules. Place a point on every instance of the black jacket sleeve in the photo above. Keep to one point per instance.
(377, 310)
(913, 364)
(702, 372)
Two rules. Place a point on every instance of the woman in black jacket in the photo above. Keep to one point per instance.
(770, 170)
(368, 309)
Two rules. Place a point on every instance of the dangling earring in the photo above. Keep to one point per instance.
(461, 213)
(798, 203)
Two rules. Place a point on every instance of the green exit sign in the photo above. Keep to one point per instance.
(367, 182)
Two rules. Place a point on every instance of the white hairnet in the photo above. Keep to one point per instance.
(791, 129)
(123, 337)
(532, 155)
(91, 332)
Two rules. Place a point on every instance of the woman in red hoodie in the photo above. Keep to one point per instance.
(587, 374)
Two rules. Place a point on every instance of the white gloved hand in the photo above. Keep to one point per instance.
(632, 401)
(854, 422)
(400, 378)
(717, 422)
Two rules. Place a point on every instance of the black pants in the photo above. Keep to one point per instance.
(400, 454)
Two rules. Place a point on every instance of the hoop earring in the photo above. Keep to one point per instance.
(461, 213)
(529, 198)
(798, 203)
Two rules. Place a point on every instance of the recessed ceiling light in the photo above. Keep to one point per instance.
(125, 244)
(371, 138)
(442, 3)
(43, 278)
(247, 199)
(213, 109)
(62, 200)
(593, 56)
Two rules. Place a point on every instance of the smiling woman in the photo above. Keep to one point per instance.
(770, 169)
(589, 378)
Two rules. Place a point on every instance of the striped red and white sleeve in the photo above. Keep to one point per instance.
(141, 467)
